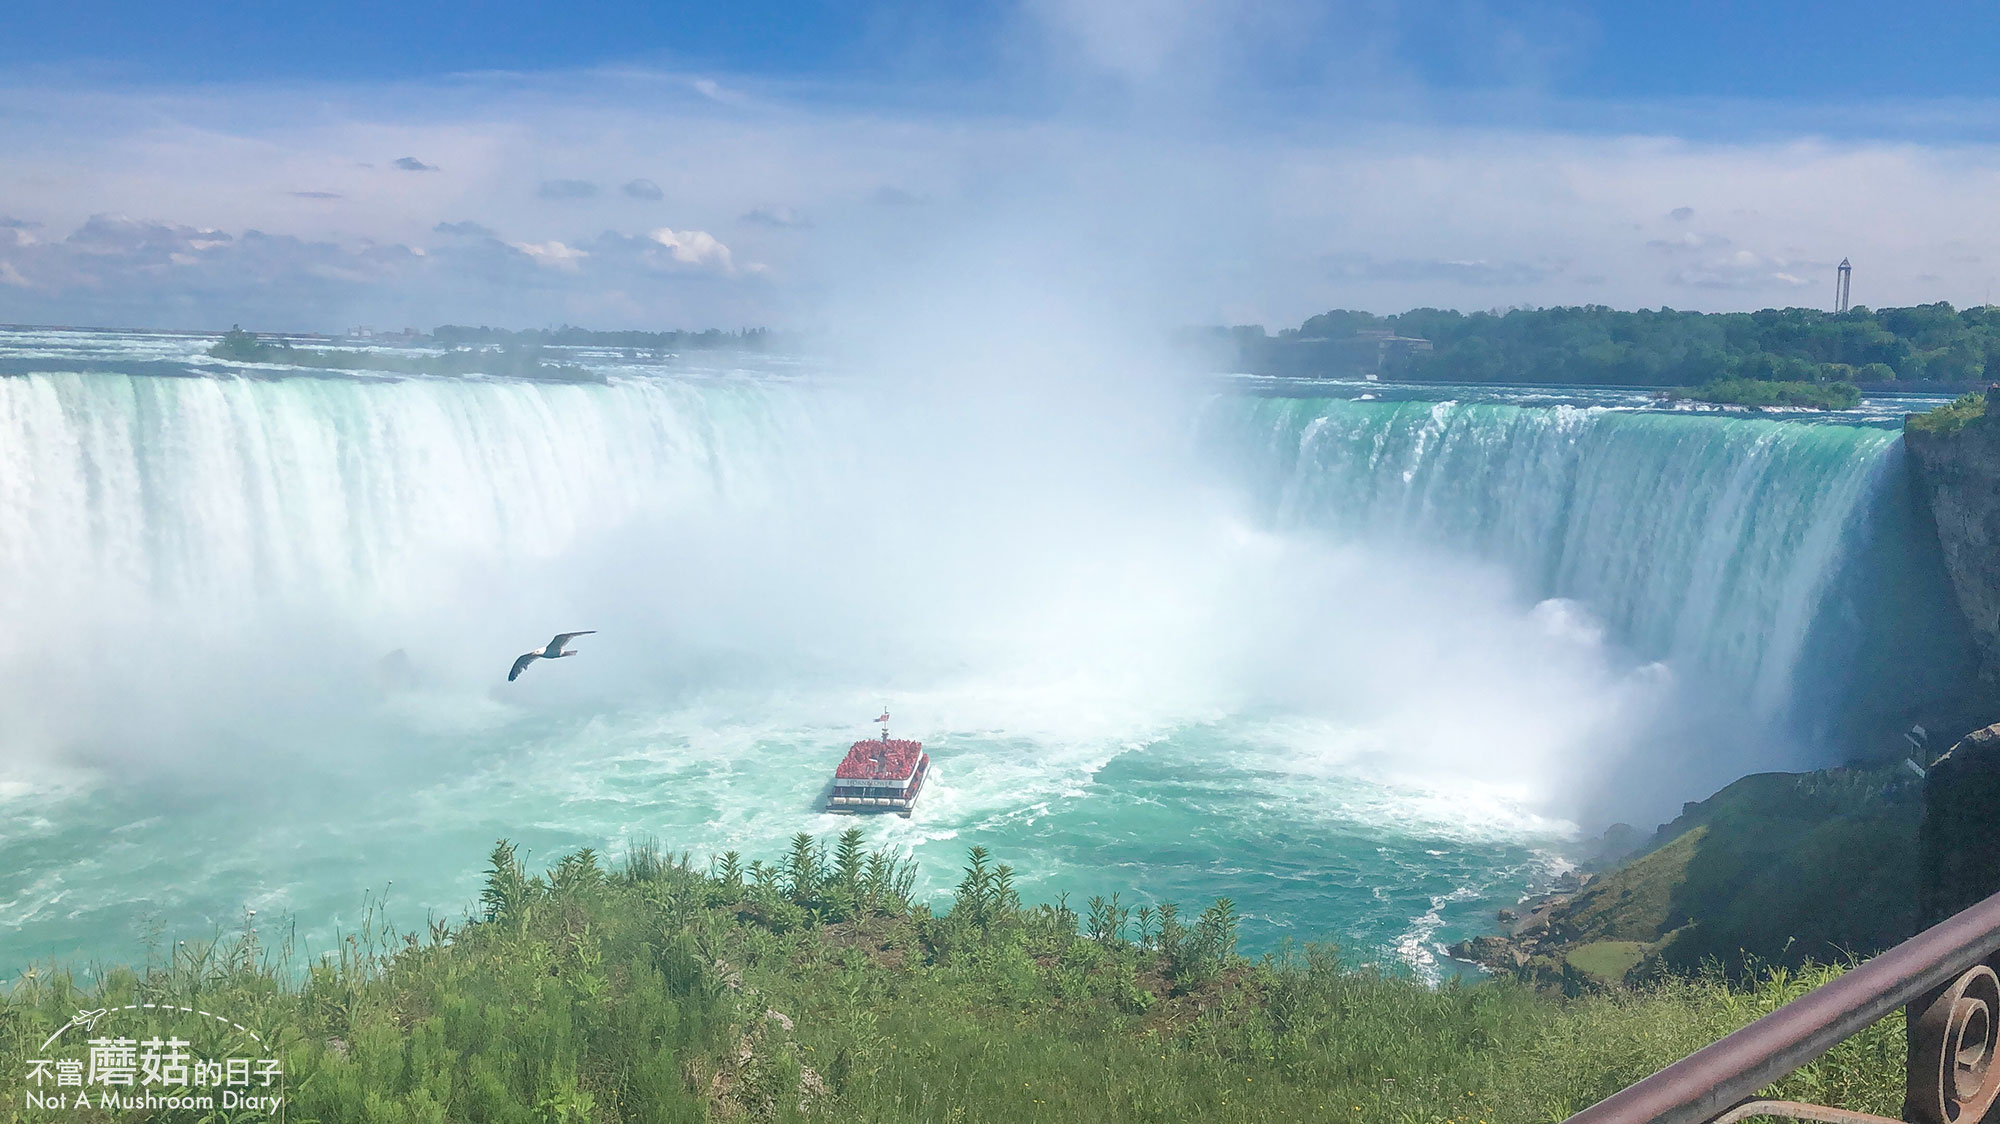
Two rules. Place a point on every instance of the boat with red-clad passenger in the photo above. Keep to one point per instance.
(879, 775)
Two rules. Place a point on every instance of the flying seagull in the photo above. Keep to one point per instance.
(553, 652)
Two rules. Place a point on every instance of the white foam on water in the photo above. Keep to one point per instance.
(1418, 947)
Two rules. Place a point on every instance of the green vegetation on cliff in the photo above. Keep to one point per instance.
(1762, 392)
(1791, 867)
(1649, 347)
(1777, 869)
(1950, 417)
(814, 988)
(512, 361)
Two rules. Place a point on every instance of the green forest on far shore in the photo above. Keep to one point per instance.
(1593, 344)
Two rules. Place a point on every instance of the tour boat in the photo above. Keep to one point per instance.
(882, 774)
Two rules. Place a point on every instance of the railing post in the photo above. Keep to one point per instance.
(1959, 857)
(1950, 1039)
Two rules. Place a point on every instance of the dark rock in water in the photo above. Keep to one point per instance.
(1507, 915)
(1498, 953)
(1958, 863)
(1569, 880)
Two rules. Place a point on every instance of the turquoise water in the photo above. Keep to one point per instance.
(1361, 666)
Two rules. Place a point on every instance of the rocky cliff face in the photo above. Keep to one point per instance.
(1960, 474)
(1958, 865)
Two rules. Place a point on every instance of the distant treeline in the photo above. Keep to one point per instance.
(458, 335)
(1595, 344)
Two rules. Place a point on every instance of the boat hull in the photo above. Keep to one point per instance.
(850, 799)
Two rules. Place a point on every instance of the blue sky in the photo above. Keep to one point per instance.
(1786, 50)
(758, 162)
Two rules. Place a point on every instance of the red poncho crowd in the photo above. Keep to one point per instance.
(880, 760)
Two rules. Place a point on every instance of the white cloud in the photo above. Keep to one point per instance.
(553, 254)
(694, 247)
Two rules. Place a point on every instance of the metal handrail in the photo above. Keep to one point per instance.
(1944, 975)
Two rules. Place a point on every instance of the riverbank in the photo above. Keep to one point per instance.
(1758, 874)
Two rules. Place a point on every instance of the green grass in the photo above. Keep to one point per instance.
(1635, 901)
(813, 988)
(1950, 417)
(1607, 961)
(1769, 392)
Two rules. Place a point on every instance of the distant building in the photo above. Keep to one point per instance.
(1391, 347)
(1398, 349)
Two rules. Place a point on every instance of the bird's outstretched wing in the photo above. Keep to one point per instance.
(565, 637)
(521, 665)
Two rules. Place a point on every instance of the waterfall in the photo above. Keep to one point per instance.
(210, 492)
(259, 628)
(1782, 561)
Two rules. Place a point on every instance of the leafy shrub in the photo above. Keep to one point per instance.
(1950, 417)
(1760, 392)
